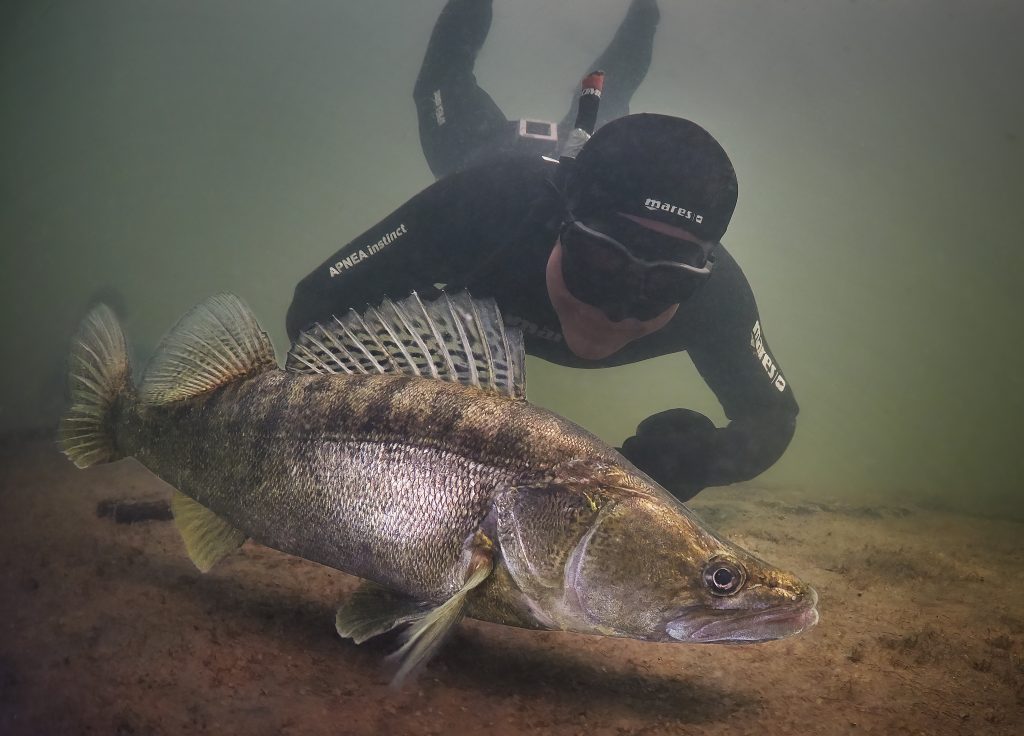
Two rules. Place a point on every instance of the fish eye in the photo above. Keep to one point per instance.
(724, 577)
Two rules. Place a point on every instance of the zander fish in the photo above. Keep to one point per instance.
(398, 446)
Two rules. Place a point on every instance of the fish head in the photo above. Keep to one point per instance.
(611, 554)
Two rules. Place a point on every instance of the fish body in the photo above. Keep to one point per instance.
(398, 446)
(382, 476)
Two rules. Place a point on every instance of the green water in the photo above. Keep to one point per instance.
(169, 150)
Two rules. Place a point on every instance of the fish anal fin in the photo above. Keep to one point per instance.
(208, 538)
(426, 635)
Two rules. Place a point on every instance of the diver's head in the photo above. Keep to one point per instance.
(647, 199)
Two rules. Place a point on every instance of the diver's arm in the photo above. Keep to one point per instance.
(416, 246)
(756, 396)
(748, 446)
(682, 449)
(447, 234)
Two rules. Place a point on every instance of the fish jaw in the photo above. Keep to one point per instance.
(706, 625)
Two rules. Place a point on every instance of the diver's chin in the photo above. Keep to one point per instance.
(591, 344)
(715, 626)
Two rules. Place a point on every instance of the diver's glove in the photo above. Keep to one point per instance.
(675, 448)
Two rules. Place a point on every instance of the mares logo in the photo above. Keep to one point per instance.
(757, 343)
(438, 108)
(657, 204)
(357, 257)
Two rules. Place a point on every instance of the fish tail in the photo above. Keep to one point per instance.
(99, 375)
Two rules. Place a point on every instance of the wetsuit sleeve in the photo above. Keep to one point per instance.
(424, 242)
(758, 401)
(682, 449)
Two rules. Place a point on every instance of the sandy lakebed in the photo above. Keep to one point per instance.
(109, 629)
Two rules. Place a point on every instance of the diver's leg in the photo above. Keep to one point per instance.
(456, 118)
(624, 63)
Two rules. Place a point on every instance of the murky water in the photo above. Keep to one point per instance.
(157, 153)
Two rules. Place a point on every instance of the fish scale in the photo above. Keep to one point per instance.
(367, 481)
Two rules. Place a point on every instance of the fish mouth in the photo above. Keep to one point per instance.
(709, 625)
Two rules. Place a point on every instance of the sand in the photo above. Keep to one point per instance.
(107, 628)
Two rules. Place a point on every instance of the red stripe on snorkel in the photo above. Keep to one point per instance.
(593, 81)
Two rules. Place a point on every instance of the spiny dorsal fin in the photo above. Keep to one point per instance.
(459, 339)
(207, 537)
(217, 342)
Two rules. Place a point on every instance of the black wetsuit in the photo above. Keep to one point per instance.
(491, 228)
(461, 125)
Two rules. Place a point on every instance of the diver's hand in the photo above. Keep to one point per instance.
(673, 447)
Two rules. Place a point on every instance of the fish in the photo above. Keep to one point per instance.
(397, 445)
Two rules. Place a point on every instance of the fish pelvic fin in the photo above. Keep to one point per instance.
(373, 610)
(208, 538)
(426, 635)
(216, 342)
(99, 374)
(452, 338)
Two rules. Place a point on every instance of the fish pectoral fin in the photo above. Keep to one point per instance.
(207, 537)
(373, 610)
(426, 635)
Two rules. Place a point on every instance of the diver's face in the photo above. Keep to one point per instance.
(613, 297)
(588, 331)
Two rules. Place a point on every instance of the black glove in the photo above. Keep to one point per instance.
(674, 447)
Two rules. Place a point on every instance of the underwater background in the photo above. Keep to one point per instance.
(154, 153)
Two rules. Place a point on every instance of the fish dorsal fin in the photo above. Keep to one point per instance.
(217, 342)
(452, 338)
